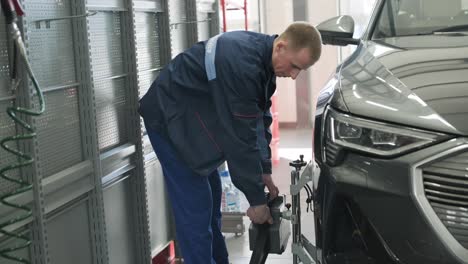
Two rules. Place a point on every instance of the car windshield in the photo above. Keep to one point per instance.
(421, 17)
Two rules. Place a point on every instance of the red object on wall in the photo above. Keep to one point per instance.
(274, 144)
(166, 256)
(227, 5)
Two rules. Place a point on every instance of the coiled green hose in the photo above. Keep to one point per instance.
(23, 241)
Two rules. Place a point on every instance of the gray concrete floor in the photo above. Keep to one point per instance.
(293, 142)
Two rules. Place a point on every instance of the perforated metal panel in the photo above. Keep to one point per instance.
(7, 128)
(79, 83)
(58, 132)
(21, 253)
(148, 49)
(106, 44)
(109, 78)
(51, 53)
(51, 46)
(4, 64)
(69, 237)
(147, 41)
(111, 112)
(146, 79)
(178, 26)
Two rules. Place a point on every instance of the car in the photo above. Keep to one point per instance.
(391, 138)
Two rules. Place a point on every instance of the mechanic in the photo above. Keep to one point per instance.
(211, 104)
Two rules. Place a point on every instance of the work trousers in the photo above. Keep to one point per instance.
(196, 204)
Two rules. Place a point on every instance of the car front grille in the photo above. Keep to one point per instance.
(446, 189)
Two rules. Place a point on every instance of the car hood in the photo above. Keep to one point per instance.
(424, 86)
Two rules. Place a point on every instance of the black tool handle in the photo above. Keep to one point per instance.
(262, 242)
(261, 249)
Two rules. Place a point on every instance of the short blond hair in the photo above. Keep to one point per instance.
(303, 35)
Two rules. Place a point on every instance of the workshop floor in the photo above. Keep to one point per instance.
(293, 142)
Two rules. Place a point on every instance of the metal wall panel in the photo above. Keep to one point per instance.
(90, 129)
(106, 44)
(160, 215)
(4, 61)
(148, 47)
(179, 26)
(69, 236)
(51, 43)
(111, 112)
(24, 253)
(92, 71)
(109, 78)
(147, 41)
(51, 55)
(119, 223)
(147, 147)
(153, 51)
(67, 185)
(58, 130)
(7, 128)
(146, 78)
(106, 4)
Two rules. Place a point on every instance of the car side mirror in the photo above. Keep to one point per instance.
(338, 31)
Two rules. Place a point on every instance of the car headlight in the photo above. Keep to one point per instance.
(372, 137)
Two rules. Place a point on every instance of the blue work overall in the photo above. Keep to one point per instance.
(195, 199)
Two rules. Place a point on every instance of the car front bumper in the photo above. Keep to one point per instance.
(415, 223)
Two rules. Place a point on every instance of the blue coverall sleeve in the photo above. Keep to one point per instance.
(236, 90)
(265, 139)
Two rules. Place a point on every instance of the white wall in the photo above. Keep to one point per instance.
(279, 14)
(253, 15)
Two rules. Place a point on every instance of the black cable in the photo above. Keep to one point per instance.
(309, 197)
(8, 11)
(14, 74)
(307, 190)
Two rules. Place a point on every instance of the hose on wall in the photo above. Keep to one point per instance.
(18, 114)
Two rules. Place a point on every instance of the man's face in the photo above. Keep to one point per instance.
(289, 63)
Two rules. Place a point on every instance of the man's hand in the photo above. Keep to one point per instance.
(272, 189)
(259, 214)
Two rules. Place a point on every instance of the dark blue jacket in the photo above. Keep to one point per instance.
(224, 118)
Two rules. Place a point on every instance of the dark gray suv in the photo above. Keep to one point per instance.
(391, 138)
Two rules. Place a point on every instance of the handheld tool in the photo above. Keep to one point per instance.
(267, 239)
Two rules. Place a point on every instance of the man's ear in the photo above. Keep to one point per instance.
(281, 44)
